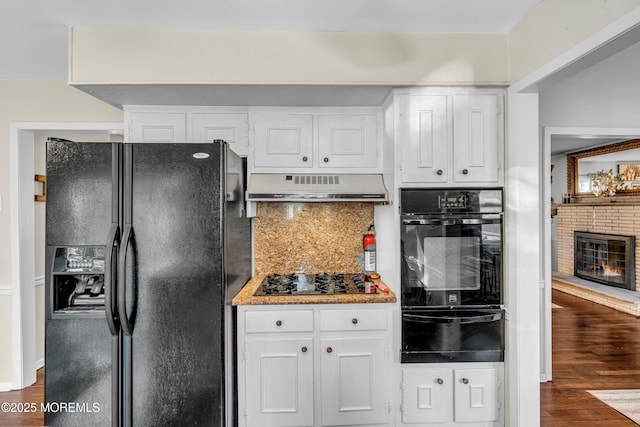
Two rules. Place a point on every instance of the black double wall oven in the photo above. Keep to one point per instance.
(451, 275)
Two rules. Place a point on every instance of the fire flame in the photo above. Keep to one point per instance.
(608, 270)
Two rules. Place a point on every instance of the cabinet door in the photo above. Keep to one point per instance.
(347, 140)
(476, 395)
(157, 127)
(426, 396)
(425, 138)
(278, 382)
(354, 390)
(476, 138)
(283, 140)
(230, 127)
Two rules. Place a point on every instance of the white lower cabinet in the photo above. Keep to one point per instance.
(467, 394)
(327, 365)
(352, 387)
(280, 375)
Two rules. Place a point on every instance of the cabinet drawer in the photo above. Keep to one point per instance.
(353, 320)
(279, 321)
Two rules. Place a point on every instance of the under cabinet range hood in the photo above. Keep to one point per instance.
(316, 188)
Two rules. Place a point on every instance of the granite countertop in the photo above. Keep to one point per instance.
(246, 297)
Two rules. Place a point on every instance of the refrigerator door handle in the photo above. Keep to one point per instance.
(110, 307)
(110, 310)
(122, 277)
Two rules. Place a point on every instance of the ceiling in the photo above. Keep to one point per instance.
(618, 70)
(33, 33)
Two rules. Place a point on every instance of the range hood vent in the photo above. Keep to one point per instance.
(316, 188)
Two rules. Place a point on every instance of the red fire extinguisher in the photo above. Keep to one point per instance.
(369, 248)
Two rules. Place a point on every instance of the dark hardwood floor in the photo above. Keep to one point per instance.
(594, 348)
(21, 405)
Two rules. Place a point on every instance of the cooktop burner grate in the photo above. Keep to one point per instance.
(311, 284)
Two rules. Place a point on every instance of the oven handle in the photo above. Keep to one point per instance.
(484, 318)
(452, 221)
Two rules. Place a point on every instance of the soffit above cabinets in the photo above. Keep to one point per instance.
(241, 95)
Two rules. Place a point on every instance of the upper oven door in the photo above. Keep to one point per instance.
(450, 260)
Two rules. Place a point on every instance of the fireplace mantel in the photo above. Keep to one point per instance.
(589, 200)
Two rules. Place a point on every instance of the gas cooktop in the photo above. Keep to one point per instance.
(311, 284)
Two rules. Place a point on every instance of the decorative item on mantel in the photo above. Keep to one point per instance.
(606, 183)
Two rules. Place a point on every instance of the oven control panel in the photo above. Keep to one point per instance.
(452, 201)
(426, 201)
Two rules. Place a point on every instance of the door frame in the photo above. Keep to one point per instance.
(529, 312)
(21, 174)
(548, 134)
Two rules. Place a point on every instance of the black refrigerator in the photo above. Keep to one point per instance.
(146, 245)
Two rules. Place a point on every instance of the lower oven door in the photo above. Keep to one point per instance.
(452, 335)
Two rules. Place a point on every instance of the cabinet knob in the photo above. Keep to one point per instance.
(326, 160)
(439, 171)
(354, 321)
(278, 322)
(304, 349)
(465, 171)
(305, 158)
(465, 381)
(440, 381)
(329, 349)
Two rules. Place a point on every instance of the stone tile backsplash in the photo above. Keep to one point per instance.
(310, 237)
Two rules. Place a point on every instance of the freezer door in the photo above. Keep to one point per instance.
(174, 284)
(78, 346)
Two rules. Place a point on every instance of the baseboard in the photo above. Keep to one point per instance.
(40, 363)
(6, 387)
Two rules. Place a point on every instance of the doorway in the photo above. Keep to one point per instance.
(22, 137)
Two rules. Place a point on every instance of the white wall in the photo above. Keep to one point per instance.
(605, 95)
(554, 27)
(32, 101)
(142, 56)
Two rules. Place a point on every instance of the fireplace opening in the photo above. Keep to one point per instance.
(605, 258)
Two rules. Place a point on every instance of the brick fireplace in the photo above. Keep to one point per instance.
(618, 219)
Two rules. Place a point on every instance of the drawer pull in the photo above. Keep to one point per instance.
(305, 158)
(440, 172)
(326, 160)
(278, 322)
(465, 171)
(465, 381)
(329, 349)
(304, 349)
(354, 321)
(440, 381)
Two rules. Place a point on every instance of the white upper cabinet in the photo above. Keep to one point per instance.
(230, 127)
(323, 141)
(347, 140)
(451, 138)
(425, 136)
(476, 138)
(174, 124)
(156, 127)
(283, 140)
